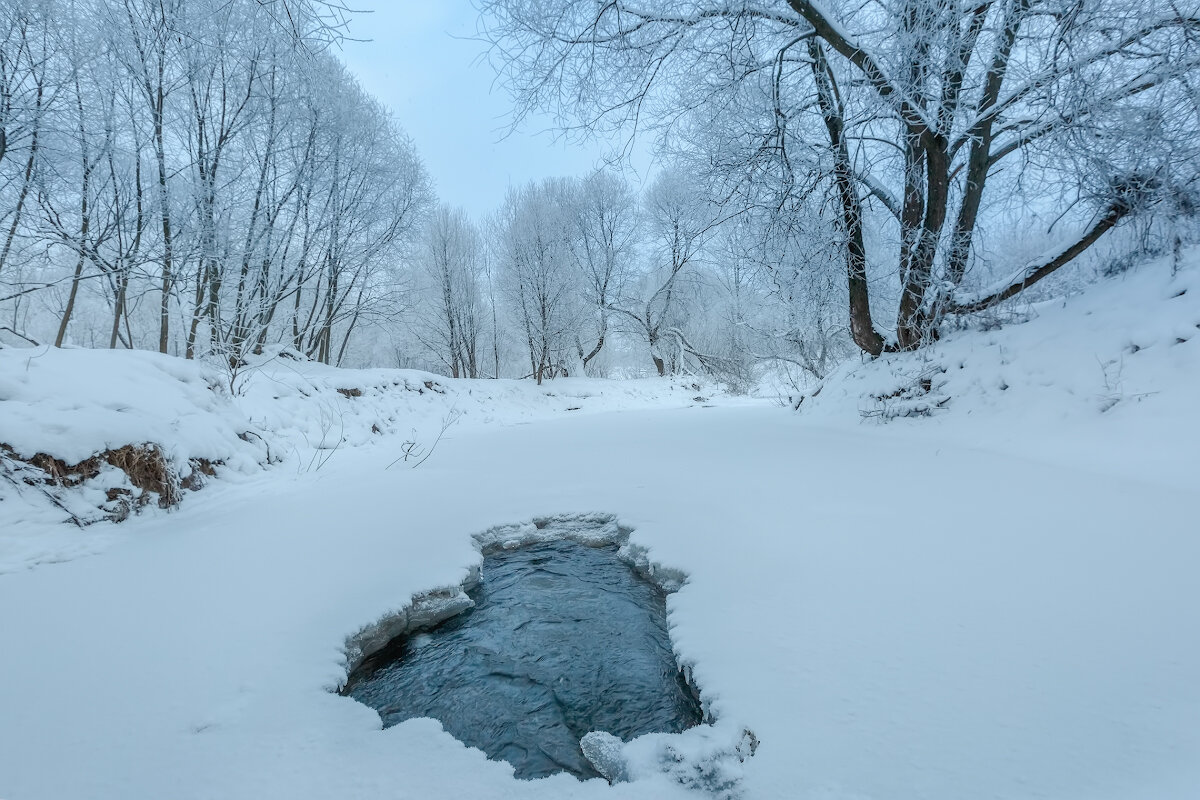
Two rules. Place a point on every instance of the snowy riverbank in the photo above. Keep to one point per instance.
(995, 601)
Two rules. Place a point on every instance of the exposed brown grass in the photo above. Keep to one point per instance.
(148, 470)
(145, 465)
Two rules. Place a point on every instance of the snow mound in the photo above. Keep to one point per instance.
(303, 405)
(88, 436)
(72, 404)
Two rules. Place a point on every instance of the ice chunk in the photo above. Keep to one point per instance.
(603, 750)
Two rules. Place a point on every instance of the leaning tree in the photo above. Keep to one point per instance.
(915, 107)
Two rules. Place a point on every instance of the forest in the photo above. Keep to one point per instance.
(206, 179)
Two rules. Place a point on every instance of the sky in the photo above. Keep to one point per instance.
(418, 58)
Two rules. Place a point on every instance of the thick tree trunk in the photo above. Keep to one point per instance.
(912, 323)
(862, 325)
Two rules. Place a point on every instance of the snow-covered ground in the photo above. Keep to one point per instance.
(999, 600)
(292, 416)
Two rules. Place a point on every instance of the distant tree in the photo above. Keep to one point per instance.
(148, 47)
(604, 214)
(451, 319)
(538, 274)
(26, 49)
(781, 301)
(679, 221)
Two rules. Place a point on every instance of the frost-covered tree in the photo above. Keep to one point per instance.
(539, 276)
(778, 301)
(604, 242)
(915, 107)
(679, 220)
(452, 315)
(207, 194)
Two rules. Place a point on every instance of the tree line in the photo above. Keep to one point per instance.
(196, 177)
(204, 178)
(588, 276)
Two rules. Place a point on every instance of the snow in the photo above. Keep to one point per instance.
(604, 752)
(297, 415)
(74, 403)
(1106, 379)
(997, 600)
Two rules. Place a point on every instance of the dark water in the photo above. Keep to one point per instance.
(564, 639)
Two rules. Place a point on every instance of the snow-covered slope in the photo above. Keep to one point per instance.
(72, 404)
(1111, 376)
(998, 600)
(89, 435)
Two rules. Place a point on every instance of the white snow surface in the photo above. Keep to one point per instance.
(999, 600)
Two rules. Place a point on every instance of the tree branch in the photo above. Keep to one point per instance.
(1035, 272)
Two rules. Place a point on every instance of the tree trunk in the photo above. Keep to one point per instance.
(165, 213)
(24, 193)
(84, 218)
(66, 317)
(119, 307)
(862, 325)
(1036, 272)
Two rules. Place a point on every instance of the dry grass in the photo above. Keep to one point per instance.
(147, 468)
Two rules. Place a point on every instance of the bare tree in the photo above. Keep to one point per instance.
(190, 156)
(680, 220)
(26, 49)
(538, 274)
(604, 244)
(222, 67)
(452, 319)
(150, 53)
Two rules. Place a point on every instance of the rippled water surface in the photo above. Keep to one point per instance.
(564, 639)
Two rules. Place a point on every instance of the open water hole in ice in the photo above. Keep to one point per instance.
(564, 639)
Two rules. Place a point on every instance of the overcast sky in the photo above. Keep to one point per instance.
(440, 89)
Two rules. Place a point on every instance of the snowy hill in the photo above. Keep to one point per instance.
(1111, 375)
